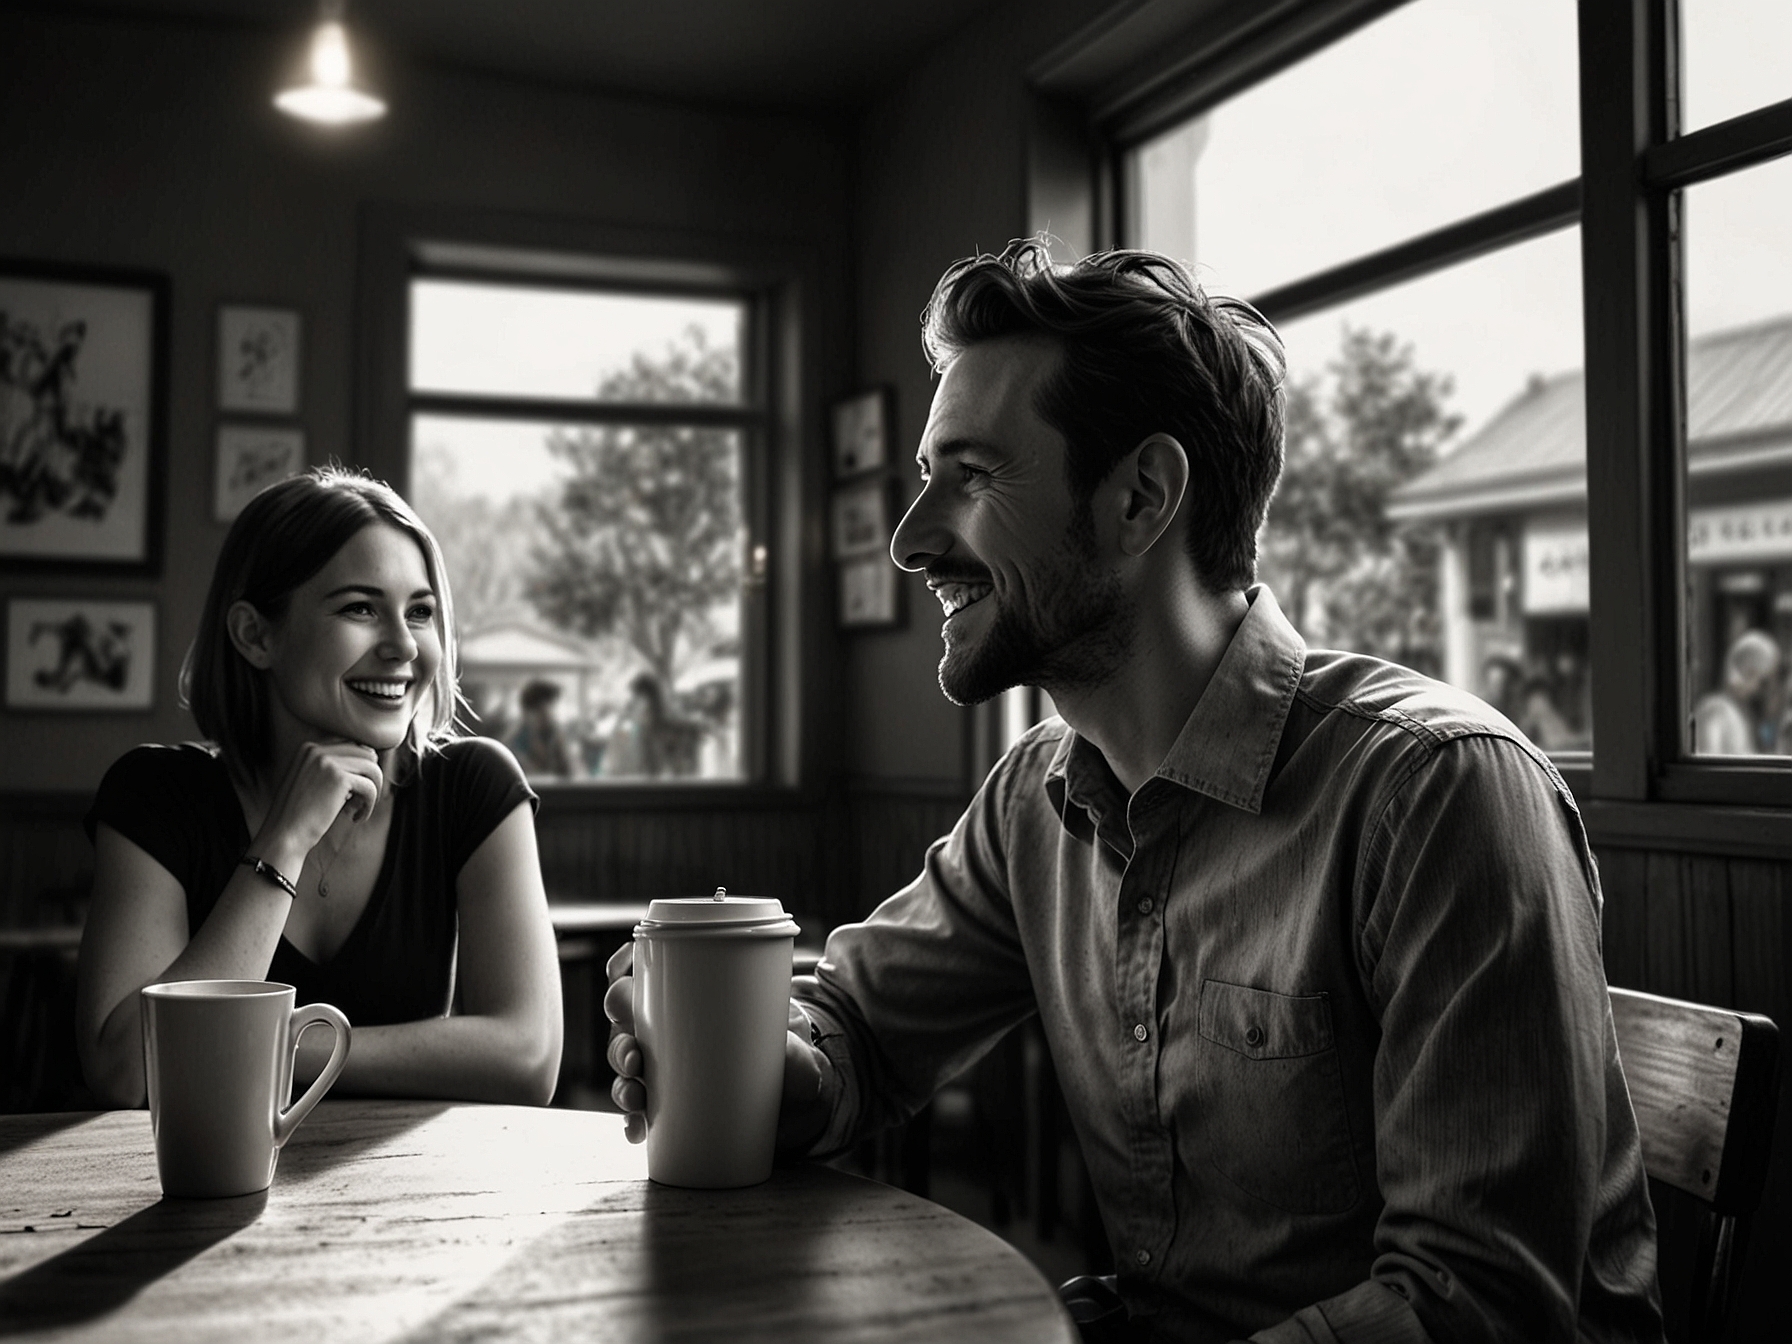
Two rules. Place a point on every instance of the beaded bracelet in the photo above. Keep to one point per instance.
(273, 874)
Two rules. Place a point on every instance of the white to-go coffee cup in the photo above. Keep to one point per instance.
(218, 1057)
(712, 1005)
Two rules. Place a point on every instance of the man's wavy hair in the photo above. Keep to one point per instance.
(284, 536)
(1145, 351)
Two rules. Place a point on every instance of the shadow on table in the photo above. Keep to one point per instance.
(105, 1271)
(755, 1264)
(324, 1141)
(21, 1130)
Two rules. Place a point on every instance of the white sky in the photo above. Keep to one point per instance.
(1448, 107)
(532, 342)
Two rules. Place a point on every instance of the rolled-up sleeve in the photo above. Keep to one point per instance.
(923, 987)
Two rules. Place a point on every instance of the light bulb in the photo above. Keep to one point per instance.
(330, 97)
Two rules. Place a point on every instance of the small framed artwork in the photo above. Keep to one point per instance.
(258, 359)
(861, 432)
(861, 519)
(83, 382)
(80, 654)
(868, 593)
(250, 457)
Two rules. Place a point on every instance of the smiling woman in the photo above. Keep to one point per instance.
(334, 833)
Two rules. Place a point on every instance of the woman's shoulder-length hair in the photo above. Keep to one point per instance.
(283, 537)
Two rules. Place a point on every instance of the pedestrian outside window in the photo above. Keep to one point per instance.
(583, 455)
(1738, 490)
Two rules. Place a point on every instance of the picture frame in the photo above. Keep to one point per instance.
(870, 593)
(83, 417)
(258, 359)
(861, 519)
(861, 432)
(80, 654)
(249, 458)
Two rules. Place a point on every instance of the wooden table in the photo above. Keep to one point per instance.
(422, 1221)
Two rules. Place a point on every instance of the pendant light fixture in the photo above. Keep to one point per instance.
(331, 96)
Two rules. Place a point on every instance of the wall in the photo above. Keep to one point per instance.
(155, 146)
(942, 175)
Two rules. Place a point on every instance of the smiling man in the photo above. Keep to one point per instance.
(1314, 940)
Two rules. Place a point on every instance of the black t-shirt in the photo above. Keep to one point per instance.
(397, 965)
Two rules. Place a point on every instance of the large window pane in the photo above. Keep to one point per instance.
(597, 583)
(1739, 462)
(522, 341)
(1433, 509)
(1438, 111)
(1736, 57)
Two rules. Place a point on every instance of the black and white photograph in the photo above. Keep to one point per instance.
(870, 594)
(861, 431)
(81, 427)
(80, 655)
(251, 457)
(861, 518)
(258, 359)
(905, 672)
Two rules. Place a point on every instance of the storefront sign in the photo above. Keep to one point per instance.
(1732, 532)
(1555, 568)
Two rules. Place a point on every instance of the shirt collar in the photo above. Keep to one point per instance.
(1228, 745)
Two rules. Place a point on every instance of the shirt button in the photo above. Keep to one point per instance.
(1143, 1258)
(1139, 1033)
(1144, 905)
(1253, 1037)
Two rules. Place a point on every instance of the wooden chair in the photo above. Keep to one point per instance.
(1704, 1083)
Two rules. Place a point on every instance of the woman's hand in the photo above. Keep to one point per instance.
(325, 781)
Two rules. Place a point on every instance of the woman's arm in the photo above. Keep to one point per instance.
(136, 935)
(136, 931)
(504, 1044)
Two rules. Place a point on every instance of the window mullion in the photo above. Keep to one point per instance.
(486, 406)
(1741, 142)
(1633, 398)
(1542, 212)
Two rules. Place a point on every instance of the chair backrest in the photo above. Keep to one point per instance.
(1704, 1083)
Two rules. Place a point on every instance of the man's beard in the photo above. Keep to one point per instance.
(1078, 642)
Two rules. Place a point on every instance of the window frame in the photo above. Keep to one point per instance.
(780, 733)
(1169, 60)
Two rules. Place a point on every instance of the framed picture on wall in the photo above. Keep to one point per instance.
(249, 458)
(869, 593)
(83, 379)
(861, 519)
(80, 654)
(258, 359)
(861, 432)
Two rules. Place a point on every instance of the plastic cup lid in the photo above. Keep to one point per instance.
(721, 908)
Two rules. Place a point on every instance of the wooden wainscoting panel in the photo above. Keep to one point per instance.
(1706, 920)
(46, 862)
(1624, 880)
(1666, 914)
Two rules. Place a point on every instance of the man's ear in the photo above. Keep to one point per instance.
(1153, 479)
(251, 633)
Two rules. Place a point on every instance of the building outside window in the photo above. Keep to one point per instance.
(584, 455)
(1422, 260)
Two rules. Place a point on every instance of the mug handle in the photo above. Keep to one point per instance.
(309, 1016)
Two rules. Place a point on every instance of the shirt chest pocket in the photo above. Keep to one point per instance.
(1272, 1098)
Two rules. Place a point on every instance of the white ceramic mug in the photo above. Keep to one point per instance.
(218, 1058)
(712, 1005)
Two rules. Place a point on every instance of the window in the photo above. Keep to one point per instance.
(1402, 205)
(586, 454)
(1738, 486)
(1610, 507)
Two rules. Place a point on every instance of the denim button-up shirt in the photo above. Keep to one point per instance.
(1325, 997)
